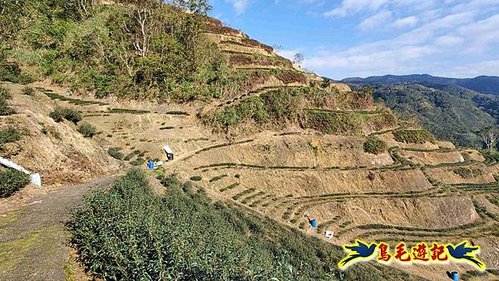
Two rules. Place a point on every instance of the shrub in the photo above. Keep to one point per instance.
(10, 71)
(28, 91)
(11, 181)
(115, 152)
(4, 107)
(374, 145)
(196, 178)
(4, 93)
(9, 134)
(413, 136)
(87, 130)
(60, 114)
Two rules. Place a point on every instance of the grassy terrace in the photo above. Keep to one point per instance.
(491, 187)
(54, 96)
(487, 223)
(243, 193)
(215, 147)
(360, 112)
(400, 164)
(476, 230)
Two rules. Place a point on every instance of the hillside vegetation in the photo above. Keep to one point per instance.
(447, 113)
(481, 84)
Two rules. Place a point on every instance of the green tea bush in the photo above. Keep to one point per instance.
(374, 145)
(87, 130)
(413, 136)
(11, 181)
(131, 233)
(60, 114)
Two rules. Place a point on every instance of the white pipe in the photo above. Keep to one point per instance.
(35, 178)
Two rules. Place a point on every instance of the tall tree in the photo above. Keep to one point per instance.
(195, 6)
(489, 136)
(298, 59)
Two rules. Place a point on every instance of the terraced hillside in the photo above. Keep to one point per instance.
(286, 145)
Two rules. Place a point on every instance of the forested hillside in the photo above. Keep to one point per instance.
(137, 49)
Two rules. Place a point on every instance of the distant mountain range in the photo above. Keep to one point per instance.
(481, 84)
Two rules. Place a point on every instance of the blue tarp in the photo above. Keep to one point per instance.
(313, 223)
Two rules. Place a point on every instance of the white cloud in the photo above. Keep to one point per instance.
(449, 41)
(409, 21)
(375, 21)
(418, 36)
(289, 54)
(240, 6)
(350, 7)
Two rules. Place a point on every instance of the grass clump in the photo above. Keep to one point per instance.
(11, 181)
(8, 135)
(414, 136)
(131, 233)
(87, 130)
(59, 114)
(374, 145)
(116, 153)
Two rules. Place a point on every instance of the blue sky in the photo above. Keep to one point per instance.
(344, 38)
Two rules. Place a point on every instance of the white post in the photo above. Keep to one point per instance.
(35, 178)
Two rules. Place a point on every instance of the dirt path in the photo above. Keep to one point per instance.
(33, 240)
